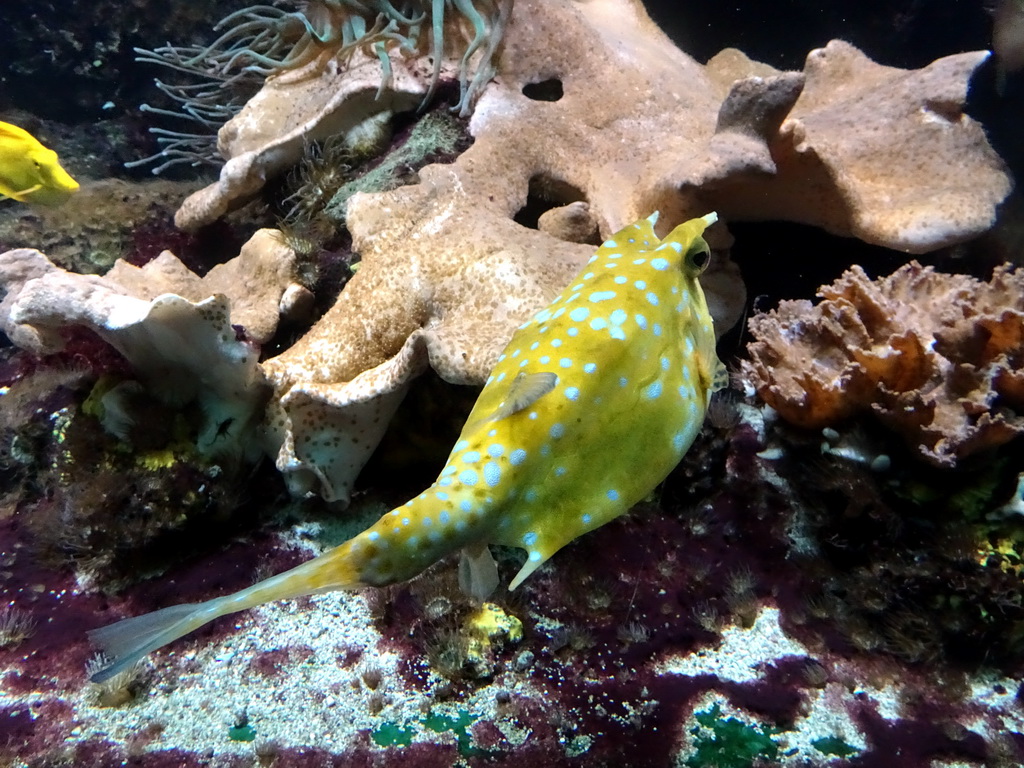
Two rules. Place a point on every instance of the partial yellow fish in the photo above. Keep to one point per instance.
(29, 172)
(593, 402)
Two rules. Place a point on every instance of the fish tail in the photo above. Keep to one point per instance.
(129, 640)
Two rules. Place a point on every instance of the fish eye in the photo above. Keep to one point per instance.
(698, 257)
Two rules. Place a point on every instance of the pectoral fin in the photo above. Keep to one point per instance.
(524, 391)
(721, 377)
(18, 195)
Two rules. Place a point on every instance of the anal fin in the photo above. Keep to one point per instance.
(478, 573)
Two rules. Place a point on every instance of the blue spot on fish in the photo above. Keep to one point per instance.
(492, 473)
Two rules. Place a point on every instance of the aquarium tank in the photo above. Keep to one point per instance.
(512, 382)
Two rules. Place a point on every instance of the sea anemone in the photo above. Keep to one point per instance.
(263, 40)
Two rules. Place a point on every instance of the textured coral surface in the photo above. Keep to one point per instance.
(935, 357)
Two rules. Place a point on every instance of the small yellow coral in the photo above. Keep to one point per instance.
(492, 623)
(159, 459)
(486, 628)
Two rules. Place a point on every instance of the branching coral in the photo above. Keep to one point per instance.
(936, 358)
(264, 40)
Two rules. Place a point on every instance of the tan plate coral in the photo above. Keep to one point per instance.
(935, 357)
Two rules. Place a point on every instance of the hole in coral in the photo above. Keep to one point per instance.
(545, 90)
(545, 193)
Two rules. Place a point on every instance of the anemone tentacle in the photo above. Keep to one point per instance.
(263, 40)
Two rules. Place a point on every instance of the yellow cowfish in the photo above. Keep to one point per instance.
(593, 402)
(29, 172)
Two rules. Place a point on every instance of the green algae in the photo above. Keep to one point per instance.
(242, 732)
(392, 734)
(436, 134)
(833, 745)
(725, 742)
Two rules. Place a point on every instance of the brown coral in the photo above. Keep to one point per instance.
(935, 357)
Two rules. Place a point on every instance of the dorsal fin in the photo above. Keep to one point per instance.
(524, 391)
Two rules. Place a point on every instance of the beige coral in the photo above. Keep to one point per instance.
(293, 109)
(884, 154)
(936, 358)
(175, 328)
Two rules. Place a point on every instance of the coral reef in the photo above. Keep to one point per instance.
(615, 665)
(799, 596)
(447, 270)
(936, 358)
(420, 243)
(848, 155)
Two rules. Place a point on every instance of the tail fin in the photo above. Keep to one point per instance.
(128, 641)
